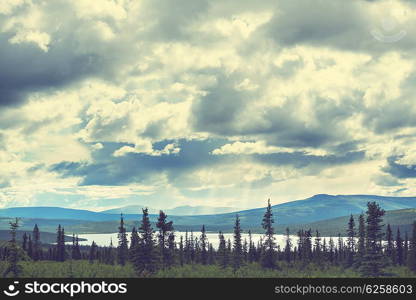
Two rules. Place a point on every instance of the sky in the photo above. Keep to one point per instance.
(163, 103)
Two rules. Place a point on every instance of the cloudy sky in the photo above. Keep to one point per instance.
(107, 103)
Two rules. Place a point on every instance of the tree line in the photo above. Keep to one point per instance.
(368, 247)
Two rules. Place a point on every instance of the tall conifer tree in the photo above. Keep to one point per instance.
(399, 248)
(288, 246)
(361, 241)
(390, 253)
(372, 264)
(60, 244)
(122, 249)
(203, 246)
(13, 266)
(36, 245)
(165, 228)
(237, 245)
(222, 251)
(411, 255)
(145, 258)
(269, 257)
(24, 243)
(350, 242)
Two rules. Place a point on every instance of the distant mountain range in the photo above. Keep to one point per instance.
(177, 211)
(296, 214)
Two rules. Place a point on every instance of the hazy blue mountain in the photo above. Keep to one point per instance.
(199, 210)
(44, 212)
(316, 208)
(178, 211)
(402, 218)
(129, 209)
(313, 209)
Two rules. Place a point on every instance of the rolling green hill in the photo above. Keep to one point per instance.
(402, 219)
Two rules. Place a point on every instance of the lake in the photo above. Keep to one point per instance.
(103, 239)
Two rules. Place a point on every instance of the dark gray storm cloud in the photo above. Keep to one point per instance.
(223, 111)
(218, 110)
(338, 24)
(398, 170)
(24, 69)
(137, 168)
(302, 160)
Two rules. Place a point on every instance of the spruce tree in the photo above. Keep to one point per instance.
(251, 248)
(197, 250)
(361, 241)
(350, 242)
(170, 253)
(237, 245)
(111, 256)
(30, 247)
(341, 249)
(73, 247)
(229, 251)
(77, 248)
(76, 252)
(93, 252)
(60, 244)
(165, 228)
(24, 243)
(245, 250)
(187, 249)
(411, 255)
(63, 246)
(300, 242)
(331, 252)
(269, 257)
(13, 266)
(405, 247)
(134, 238)
(222, 251)
(390, 245)
(192, 247)
(181, 251)
(288, 246)
(145, 258)
(211, 258)
(399, 248)
(372, 264)
(203, 246)
(307, 246)
(317, 249)
(122, 249)
(36, 245)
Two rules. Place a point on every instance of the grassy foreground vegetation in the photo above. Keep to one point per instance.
(84, 269)
(369, 250)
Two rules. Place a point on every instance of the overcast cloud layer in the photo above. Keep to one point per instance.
(193, 102)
